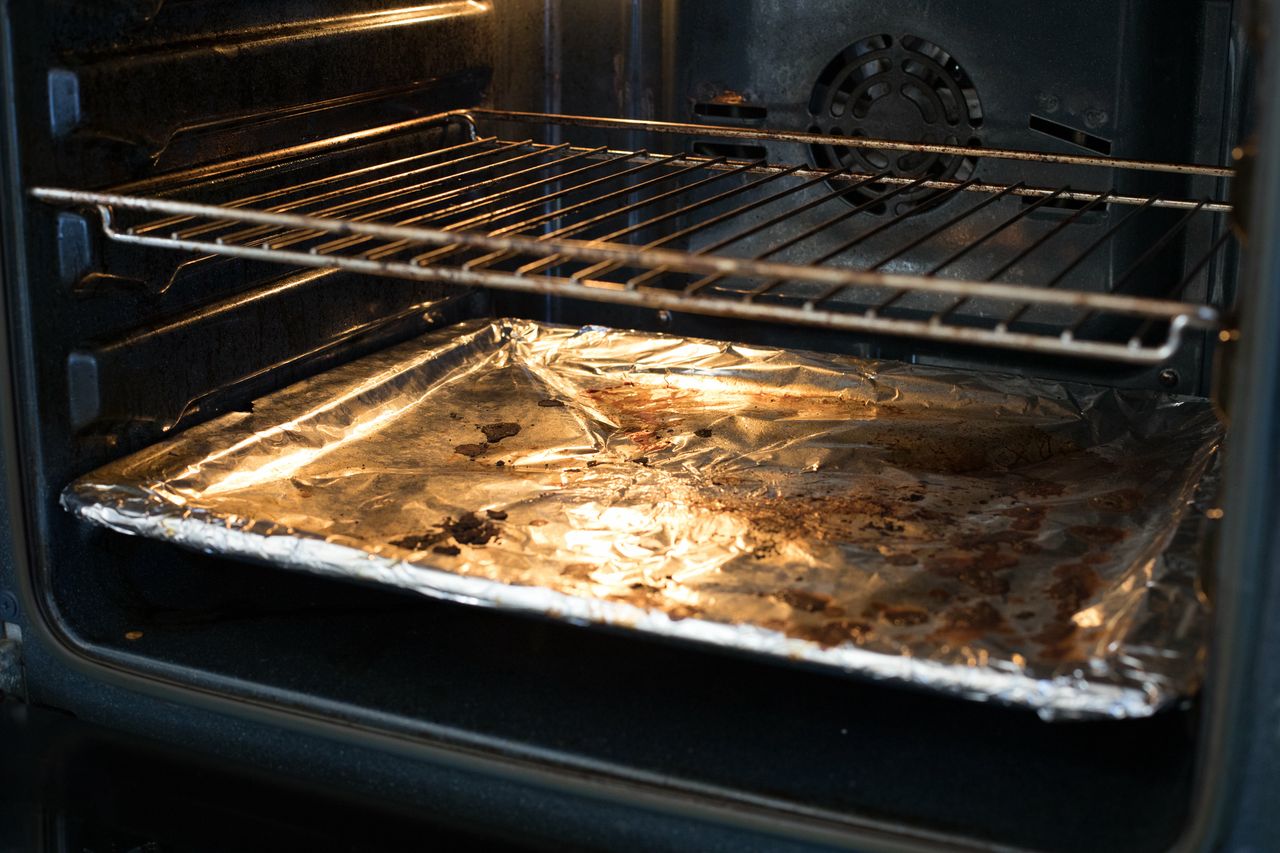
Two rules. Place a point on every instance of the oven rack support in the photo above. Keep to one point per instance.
(632, 227)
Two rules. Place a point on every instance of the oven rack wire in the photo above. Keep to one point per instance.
(665, 230)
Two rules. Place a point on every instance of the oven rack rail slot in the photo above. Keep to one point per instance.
(665, 230)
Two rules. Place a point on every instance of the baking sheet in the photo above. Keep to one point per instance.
(996, 537)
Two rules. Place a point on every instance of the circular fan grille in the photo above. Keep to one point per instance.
(904, 89)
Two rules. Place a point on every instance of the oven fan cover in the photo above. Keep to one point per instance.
(901, 88)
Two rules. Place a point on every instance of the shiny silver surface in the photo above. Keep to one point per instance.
(650, 126)
(995, 537)
(668, 231)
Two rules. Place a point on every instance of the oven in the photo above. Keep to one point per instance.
(657, 424)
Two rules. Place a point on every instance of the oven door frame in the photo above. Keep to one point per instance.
(1239, 763)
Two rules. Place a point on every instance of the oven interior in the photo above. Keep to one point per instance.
(124, 343)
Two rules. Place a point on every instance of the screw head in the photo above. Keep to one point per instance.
(1095, 118)
(664, 317)
(1169, 378)
(1048, 103)
(8, 605)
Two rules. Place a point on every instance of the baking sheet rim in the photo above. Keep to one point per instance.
(1052, 699)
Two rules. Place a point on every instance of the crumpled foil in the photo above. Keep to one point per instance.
(997, 537)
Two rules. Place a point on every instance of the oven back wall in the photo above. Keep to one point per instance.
(1138, 79)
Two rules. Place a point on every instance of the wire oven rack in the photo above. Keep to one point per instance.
(635, 227)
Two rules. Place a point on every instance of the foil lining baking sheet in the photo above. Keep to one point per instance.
(996, 537)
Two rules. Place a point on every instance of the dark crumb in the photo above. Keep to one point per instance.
(702, 433)
(593, 463)
(500, 463)
(471, 529)
(448, 550)
(915, 496)
(495, 432)
(418, 543)
(1025, 614)
(809, 602)
(551, 403)
(455, 416)
(496, 514)
(471, 451)
(641, 460)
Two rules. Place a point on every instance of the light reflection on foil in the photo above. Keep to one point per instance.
(989, 536)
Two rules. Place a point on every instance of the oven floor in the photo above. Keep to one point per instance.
(770, 730)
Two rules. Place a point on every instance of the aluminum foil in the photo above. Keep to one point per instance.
(996, 537)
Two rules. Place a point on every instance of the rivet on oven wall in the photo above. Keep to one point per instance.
(664, 318)
(8, 606)
(1048, 103)
(1095, 118)
(1169, 378)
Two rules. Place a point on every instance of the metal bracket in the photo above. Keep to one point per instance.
(12, 680)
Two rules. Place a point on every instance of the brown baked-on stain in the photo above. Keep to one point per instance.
(946, 445)
(1076, 583)
(1029, 518)
(1055, 633)
(971, 622)
(1056, 641)
(1097, 534)
(1037, 488)
(803, 599)
(496, 514)
(901, 559)
(992, 541)
(471, 451)
(645, 414)
(551, 403)
(975, 570)
(1123, 500)
(702, 433)
(939, 595)
(447, 550)
(684, 611)
(495, 432)
(579, 571)
(900, 615)
(833, 633)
